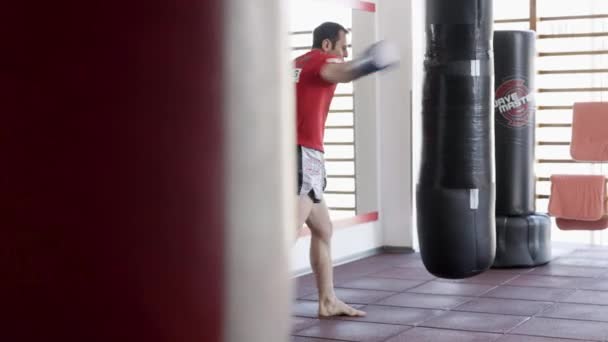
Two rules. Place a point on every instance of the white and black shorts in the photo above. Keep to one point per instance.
(311, 173)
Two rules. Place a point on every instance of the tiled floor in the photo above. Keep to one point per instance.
(565, 300)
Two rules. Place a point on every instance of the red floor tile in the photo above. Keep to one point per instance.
(417, 300)
(305, 285)
(311, 339)
(561, 328)
(529, 293)
(453, 289)
(305, 308)
(299, 323)
(504, 306)
(393, 259)
(567, 271)
(520, 338)
(514, 270)
(587, 297)
(352, 271)
(356, 296)
(545, 281)
(394, 315)
(442, 335)
(594, 284)
(382, 284)
(412, 273)
(353, 331)
(412, 263)
(585, 312)
(491, 277)
(473, 321)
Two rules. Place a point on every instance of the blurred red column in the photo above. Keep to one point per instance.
(111, 191)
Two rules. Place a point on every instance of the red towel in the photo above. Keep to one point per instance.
(590, 131)
(578, 197)
(565, 224)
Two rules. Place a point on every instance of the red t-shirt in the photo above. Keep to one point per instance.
(313, 97)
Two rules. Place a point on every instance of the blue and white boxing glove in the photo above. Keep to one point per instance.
(379, 56)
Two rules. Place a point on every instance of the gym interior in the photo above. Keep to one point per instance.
(148, 172)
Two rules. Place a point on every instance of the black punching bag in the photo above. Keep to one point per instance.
(455, 191)
(523, 238)
(514, 52)
(522, 241)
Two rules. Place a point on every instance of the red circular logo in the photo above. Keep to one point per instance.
(514, 103)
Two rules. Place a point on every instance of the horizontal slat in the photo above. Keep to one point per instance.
(339, 127)
(339, 192)
(572, 71)
(336, 111)
(553, 143)
(349, 143)
(573, 35)
(509, 21)
(543, 196)
(557, 161)
(547, 179)
(554, 125)
(554, 108)
(340, 159)
(300, 32)
(342, 209)
(574, 17)
(341, 176)
(344, 95)
(573, 53)
(571, 90)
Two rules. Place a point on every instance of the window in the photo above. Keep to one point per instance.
(305, 15)
(572, 65)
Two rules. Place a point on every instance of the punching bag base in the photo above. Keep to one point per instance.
(522, 241)
(456, 230)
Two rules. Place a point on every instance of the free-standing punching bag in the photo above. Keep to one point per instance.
(523, 238)
(514, 53)
(455, 191)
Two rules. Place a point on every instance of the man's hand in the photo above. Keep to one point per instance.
(377, 57)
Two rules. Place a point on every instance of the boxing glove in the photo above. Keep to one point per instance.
(379, 56)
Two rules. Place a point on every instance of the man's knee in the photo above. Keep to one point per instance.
(323, 232)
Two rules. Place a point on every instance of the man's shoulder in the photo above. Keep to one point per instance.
(316, 55)
(309, 56)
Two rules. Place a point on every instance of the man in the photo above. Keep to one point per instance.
(316, 74)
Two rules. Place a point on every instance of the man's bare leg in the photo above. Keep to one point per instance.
(320, 259)
(304, 208)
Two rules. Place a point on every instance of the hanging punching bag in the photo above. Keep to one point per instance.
(455, 191)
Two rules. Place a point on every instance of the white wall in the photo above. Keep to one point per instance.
(394, 23)
(366, 118)
(418, 50)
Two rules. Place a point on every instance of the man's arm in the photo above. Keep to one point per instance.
(378, 57)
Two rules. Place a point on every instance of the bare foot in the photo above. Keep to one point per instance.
(335, 307)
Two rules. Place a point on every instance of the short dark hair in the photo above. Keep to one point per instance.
(327, 30)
